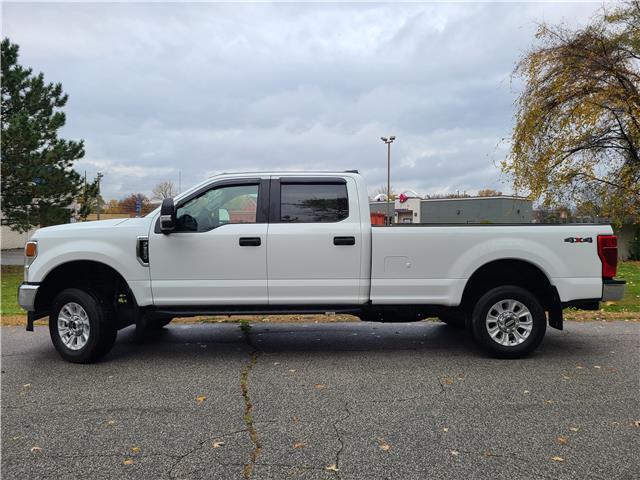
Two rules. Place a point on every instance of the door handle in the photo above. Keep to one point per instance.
(344, 240)
(250, 241)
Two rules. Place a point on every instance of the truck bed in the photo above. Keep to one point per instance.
(431, 263)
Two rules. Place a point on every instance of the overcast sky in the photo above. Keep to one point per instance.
(155, 89)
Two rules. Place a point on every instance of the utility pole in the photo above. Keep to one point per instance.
(100, 175)
(390, 210)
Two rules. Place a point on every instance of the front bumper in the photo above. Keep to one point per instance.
(613, 290)
(27, 296)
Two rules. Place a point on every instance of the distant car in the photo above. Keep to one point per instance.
(261, 243)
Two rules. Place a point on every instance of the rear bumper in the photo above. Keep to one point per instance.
(613, 290)
(27, 296)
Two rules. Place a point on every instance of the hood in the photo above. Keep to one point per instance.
(97, 226)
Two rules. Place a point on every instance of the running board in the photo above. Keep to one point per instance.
(257, 310)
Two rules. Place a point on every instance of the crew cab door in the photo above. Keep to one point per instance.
(314, 241)
(218, 253)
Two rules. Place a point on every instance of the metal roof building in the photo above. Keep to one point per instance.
(499, 209)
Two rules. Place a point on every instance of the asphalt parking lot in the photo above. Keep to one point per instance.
(325, 401)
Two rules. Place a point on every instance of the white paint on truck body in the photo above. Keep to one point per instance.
(298, 264)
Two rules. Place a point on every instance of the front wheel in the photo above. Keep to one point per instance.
(508, 322)
(81, 326)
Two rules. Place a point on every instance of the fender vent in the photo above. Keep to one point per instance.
(142, 250)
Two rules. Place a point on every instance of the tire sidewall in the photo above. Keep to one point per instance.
(91, 305)
(487, 301)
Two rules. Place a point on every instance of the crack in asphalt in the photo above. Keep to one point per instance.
(198, 446)
(247, 470)
(335, 427)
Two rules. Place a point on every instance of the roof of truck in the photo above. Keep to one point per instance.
(287, 172)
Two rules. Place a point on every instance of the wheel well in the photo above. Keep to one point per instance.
(509, 272)
(97, 277)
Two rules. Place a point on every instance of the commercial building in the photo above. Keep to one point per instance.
(498, 209)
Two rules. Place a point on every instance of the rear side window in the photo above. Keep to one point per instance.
(313, 202)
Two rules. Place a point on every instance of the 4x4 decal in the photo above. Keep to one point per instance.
(578, 240)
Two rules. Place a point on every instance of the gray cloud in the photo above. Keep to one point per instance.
(201, 88)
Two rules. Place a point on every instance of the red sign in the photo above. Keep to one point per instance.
(403, 198)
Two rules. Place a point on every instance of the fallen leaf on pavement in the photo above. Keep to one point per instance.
(548, 402)
(448, 380)
(487, 452)
(636, 423)
(292, 370)
(295, 419)
(127, 461)
(574, 429)
(135, 449)
(597, 366)
(455, 453)
(26, 385)
(332, 468)
(35, 449)
(217, 444)
(557, 459)
(383, 445)
(445, 429)
(562, 440)
(111, 422)
(579, 367)
(200, 398)
(319, 386)
(299, 445)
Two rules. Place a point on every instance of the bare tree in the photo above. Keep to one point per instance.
(163, 190)
(489, 192)
(383, 191)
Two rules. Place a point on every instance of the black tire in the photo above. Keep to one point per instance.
(480, 328)
(102, 327)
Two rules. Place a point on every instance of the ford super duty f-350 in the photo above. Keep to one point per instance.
(260, 243)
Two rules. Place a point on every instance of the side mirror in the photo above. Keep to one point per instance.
(167, 216)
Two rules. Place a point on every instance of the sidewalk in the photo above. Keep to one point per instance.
(12, 257)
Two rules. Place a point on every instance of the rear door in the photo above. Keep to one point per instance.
(314, 241)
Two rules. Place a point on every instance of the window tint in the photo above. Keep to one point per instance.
(218, 206)
(313, 202)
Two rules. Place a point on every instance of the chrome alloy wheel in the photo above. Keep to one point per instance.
(509, 322)
(73, 326)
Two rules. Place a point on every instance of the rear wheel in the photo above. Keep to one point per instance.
(508, 322)
(82, 327)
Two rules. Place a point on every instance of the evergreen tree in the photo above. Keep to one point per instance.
(38, 182)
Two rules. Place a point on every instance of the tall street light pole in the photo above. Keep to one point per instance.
(389, 141)
(100, 175)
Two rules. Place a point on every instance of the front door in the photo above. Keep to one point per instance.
(218, 253)
(314, 242)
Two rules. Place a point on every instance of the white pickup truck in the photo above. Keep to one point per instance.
(261, 243)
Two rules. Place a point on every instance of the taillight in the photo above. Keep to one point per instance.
(608, 253)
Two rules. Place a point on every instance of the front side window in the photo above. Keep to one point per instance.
(218, 206)
(313, 202)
